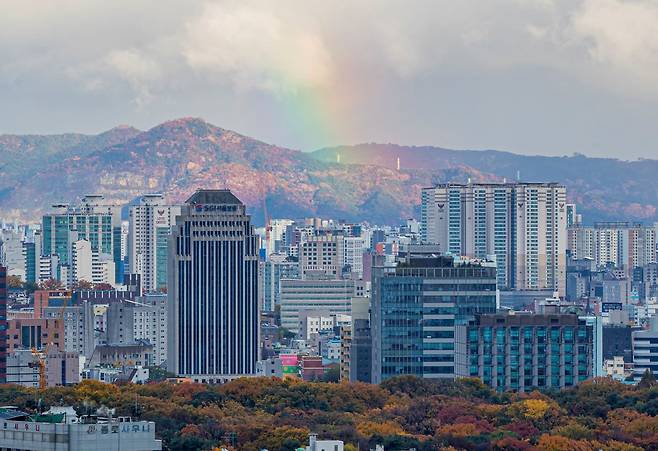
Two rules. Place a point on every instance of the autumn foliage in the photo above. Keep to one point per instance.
(402, 413)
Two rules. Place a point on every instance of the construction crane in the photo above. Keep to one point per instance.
(40, 362)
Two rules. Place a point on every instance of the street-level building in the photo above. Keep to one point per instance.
(61, 432)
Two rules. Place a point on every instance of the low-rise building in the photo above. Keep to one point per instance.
(59, 432)
(139, 354)
(645, 350)
(324, 445)
(525, 351)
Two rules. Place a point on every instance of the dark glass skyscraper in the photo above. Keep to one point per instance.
(213, 289)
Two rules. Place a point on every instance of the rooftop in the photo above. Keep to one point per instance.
(214, 196)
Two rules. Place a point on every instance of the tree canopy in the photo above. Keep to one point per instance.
(401, 413)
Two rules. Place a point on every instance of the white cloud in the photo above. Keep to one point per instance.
(256, 47)
(622, 36)
(137, 69)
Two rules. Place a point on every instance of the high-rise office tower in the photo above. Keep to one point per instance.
(213, 312)
(150, 226)
(522, 224)
(277, 268)
(92, 220)
(416, 306)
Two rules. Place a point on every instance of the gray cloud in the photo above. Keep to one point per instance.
(531, 76)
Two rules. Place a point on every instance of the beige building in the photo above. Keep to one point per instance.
(323, 254)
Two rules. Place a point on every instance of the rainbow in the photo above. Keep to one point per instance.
(312, 114)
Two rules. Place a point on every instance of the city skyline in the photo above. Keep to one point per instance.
(305, 225)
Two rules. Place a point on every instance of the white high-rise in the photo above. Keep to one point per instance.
(522, 224)
(625, 245)
(353, 249)
(150, 226)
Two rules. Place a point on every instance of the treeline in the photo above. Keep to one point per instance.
(402, 413)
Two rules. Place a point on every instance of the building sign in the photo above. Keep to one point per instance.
(91, 428)
(609, 306)
(289, 365)
(115, 428)
(205, 208)
(161, 217)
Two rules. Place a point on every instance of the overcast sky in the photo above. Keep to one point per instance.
(530, 76)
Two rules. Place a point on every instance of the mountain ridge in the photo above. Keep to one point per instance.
(181, 155)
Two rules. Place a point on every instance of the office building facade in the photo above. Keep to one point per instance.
(213, 311)
(334, 296)
(3, 324)
(522, 352)
(415, 307)
(276, 268)
(92, 221)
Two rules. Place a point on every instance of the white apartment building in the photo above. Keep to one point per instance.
(353, 248)
(150, 227)
(88, 265)
(626, 245)
(522, 224)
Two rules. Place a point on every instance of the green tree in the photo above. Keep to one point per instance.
(332, 374)
(30, 287)
(648, 380)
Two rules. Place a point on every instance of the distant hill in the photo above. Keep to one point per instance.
(179, 156)
(604, 188)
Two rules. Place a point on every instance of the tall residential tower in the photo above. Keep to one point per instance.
(150, 225)
(522, 224)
